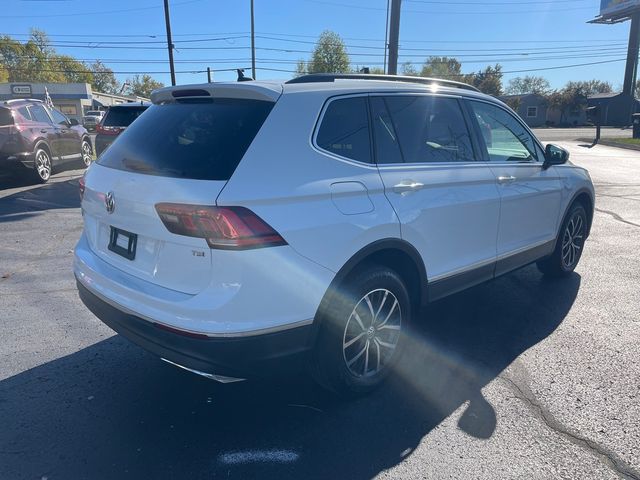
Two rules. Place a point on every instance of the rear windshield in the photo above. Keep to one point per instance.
(201, 141)
(122, 117)
(5, 117)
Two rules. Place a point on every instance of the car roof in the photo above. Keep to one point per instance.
(130, 105)
(271, 90)
(20, 102)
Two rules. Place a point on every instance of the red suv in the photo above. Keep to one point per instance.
(38, 138)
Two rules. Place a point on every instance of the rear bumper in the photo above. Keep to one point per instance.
(249, 356)
(16, 161)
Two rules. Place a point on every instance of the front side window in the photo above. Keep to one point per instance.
(429, 129)
(58, 117)
(39, 114)
(504, 136)
(344, 129)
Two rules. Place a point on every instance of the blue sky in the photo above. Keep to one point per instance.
(519, 34)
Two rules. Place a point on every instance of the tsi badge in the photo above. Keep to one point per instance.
(110, 202)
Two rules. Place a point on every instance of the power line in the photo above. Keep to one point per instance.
(104, 12)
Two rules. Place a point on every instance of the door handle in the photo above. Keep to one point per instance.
(506, 179)
(407, 186)
(44, 130)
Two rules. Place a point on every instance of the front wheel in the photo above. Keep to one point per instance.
(362, 331)
(569, 244)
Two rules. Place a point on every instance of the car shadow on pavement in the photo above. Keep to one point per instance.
(113, 411)
(50, 196)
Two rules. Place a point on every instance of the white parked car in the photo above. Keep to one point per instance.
(237, 229)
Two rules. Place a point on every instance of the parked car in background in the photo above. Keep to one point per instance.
(115, 121)
(92, 118)
(38, 138)
(237, 229)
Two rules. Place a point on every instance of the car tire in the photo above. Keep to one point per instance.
(362, 331)
(42, 165)
(569, 244)
(87, 152)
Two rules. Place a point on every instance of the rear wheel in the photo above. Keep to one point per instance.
(362, 331)
(42, 165)
(87, 152)
(569, 244)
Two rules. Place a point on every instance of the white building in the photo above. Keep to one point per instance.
(72, 99)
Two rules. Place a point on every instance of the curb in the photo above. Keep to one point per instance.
(611, 143)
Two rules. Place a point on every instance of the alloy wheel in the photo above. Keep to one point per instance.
(43, 165)
(572, 241)
(372, 333)
(86, 153)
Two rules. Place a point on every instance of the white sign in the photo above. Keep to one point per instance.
(611, 7)
(21, 89)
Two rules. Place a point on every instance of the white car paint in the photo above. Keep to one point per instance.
(326, 207)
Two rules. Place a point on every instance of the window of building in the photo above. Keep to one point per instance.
(344, 129)
(532, 112)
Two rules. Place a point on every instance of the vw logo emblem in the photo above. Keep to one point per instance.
(110, 202)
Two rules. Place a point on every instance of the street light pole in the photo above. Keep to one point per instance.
(253, 46)
(169, 42)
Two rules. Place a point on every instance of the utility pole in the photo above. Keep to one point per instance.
(253, 45)
(386, 40)
(169, 42)
(209, 74)
(394, 36)
(631, 71)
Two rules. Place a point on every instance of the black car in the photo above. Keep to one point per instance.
(38, 138)
(115, 121)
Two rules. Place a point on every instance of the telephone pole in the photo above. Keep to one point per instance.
(253, 46)
(394, 36)
(169, 42)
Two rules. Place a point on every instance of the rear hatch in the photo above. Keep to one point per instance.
(179, 153)
(9, 142)
(118, 118)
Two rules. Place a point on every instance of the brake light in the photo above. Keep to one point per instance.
(81, 184)
(108, 130)
(229, 228)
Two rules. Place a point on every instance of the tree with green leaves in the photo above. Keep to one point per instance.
(407, 68)
(73, 70)
(329, 55)
(571, 98)
(528, 84)
(488, 81)
(143, 85)
(591, 87)
(447, 68)
(103, 78)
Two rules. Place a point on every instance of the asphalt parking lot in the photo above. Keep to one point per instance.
(519, 378)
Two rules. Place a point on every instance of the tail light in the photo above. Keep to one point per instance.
(81, 186)
(108, 130)
(228, 228)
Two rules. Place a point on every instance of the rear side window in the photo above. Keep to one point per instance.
(5, 117)
(429, 129)
(344, 129)
(201, 141)
(39, 114)
(122, 117)
(24, 111)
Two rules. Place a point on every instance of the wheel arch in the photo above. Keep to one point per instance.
(394, 253)
(584, 197)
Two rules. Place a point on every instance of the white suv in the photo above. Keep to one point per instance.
(239, 229)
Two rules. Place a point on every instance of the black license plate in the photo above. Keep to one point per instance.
(123, 243)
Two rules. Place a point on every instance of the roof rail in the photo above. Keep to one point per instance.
(331, 77)
(13, 100)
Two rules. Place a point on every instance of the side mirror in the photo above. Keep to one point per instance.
(73, 122)
(554, 155)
